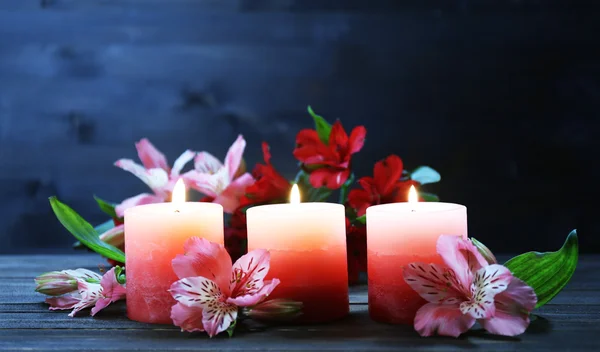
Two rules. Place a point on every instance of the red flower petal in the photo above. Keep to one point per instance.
(386, 173)
(357, 139)
(327, 177)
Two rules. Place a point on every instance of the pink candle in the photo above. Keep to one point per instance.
(399, 234)
(307, 242)
(154, 235)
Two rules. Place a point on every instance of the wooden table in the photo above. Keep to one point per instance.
(570, 322)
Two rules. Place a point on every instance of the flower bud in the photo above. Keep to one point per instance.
(275, 310)
(485, 251)
(114, 236)
(56, 283)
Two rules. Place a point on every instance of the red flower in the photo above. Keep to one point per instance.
(270, 186)
(356, 242)
(329, 164)
(236, 235)
(384, 187)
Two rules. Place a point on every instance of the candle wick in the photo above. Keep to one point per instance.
(413, 210)
(177, 211)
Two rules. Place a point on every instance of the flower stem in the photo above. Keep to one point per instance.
(345, 189)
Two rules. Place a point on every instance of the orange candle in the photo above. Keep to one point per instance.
(399, 234)
(307, 242)
(154, 235)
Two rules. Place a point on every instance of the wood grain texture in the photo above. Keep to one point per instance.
(569, 322)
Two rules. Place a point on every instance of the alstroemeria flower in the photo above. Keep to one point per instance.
(221, 182)
(211, 289)
(329, 164)
(270, 186)
(88, 293)
(466, 290)
(155, 172)
(56, 283)
(384, 187)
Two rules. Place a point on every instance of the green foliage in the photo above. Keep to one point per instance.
(547, 273)
(83, 231)
(321, 125)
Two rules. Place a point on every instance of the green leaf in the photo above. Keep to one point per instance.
(321, 125)
(425, 175)
(231, 328)
(100, 229)
(547, 273)
(83, 231)
(429, 197)
(362, 219)
(106, 207)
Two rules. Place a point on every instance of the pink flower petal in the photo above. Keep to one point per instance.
(63, 302)
(157, 179)
(112, 291)
(195, 291)
(249, 272)
(461, 256)
(210, 184)
(206, 163)
(444, 319)
(187, 318)
(234, 156)
(202, 293)
(90, 294)
(140, 199)
(435, 283)
(150, 156)
(512, 310)
(488, 282)
(230, 197)
(206, 259)
(256, 297)
(218, 317)
(181, 162)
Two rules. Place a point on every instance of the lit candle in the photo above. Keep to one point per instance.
(154, 235)
(307, 242)
(399, 234)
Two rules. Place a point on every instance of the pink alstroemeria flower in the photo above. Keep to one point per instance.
(155, 172)
(468, 289)
(90, 294)
(218, 181)
(210, 289)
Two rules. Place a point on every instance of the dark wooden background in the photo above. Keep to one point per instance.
(502, 97)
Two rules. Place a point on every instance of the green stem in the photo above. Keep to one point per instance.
(345, 189)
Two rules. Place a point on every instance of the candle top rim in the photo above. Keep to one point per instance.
(305, 206)
(406, 207)
(152, 208)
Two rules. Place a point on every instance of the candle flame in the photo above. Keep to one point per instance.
(413, 197)
(178, 192)
(295, 195)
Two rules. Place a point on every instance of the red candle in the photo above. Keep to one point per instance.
(307, 242)
(154, 235)
(399, 234)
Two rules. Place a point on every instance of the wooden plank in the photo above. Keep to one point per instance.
(357, 333)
